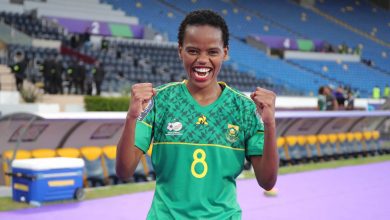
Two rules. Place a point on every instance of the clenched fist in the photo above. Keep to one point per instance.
(141, 94)
(265, 103)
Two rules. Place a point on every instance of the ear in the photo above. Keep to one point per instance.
(179, 50)
(226, 53)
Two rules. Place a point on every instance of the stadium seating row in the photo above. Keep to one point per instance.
(99, 163)
(314, 148)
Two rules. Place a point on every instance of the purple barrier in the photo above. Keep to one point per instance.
(276, 42)
(284, 43)
(99, 27)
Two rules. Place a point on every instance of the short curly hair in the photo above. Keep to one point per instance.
(204, 17)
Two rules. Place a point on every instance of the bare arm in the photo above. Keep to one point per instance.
(128, 155)
(266, 166)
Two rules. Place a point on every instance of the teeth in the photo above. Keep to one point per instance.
(202, 75)
(202, 70)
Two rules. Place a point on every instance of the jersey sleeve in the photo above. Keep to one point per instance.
(255, 138)
(144, 127)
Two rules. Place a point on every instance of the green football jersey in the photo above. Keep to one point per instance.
(198, 151)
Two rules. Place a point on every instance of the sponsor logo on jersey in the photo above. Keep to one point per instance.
(174, 128)
(202, 120)
(232, 133)
(146, 110)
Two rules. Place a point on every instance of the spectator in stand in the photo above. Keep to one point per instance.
(321, 103)
(104, 44)
(70, 76)
(89, 81)
(58, 76)
(74, 41)
(19, 69)
(340, 97)
(98, 76)
(80, 78)
(331, 102)
(376, 92)
(386, 91)
(350, 100)
(48, 69)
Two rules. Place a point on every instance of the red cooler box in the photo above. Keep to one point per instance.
(47, 179)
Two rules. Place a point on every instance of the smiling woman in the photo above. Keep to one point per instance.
(201, 129)
(203, 53)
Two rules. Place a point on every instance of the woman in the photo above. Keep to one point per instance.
(201, 130)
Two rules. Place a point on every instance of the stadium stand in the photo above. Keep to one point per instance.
(32, 26)
(109, 155)
(279, 18)
(43, 153)
(7, 157)
(68, 152)
(92, 156)
(374, 19)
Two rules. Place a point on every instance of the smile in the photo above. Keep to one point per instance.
(201, 72)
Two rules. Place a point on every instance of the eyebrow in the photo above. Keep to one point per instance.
(193, 47)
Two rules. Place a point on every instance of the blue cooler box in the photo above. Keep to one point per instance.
(47, 179)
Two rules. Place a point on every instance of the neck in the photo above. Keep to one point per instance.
(207, 95)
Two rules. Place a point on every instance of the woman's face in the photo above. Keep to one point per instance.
(202, 53)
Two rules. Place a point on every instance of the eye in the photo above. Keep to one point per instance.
(192, 51)
(213, 52)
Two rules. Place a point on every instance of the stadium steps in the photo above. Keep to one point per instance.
(348, 26)
(270, 20)
(63, 100)
(7, 79)
(314, 72)
(380, 70)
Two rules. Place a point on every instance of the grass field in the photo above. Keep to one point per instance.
(7, 203)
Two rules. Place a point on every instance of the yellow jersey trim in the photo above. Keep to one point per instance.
(204, 145)
(146, 124)
(231, 89)
(169, 85)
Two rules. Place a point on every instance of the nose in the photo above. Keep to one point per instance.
(202, 59)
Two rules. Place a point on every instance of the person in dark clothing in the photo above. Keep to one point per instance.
(18, 69)
(70, 76)
(49, 66)
(340, 97)
(331, 102)
(57, 77)
(98, 76)
(89, 82)
(80, 78)
(75, 41)
(350, 100)
(104, 44)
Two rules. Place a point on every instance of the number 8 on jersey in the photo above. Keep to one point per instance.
(202, 161)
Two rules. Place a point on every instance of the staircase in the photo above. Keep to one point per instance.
(7, 79)
(348, 26)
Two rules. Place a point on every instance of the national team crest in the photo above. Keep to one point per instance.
(232, 133)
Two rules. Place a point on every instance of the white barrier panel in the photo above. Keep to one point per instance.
(298, 55)
(56, 130)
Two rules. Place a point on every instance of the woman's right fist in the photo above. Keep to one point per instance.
(141, 94)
